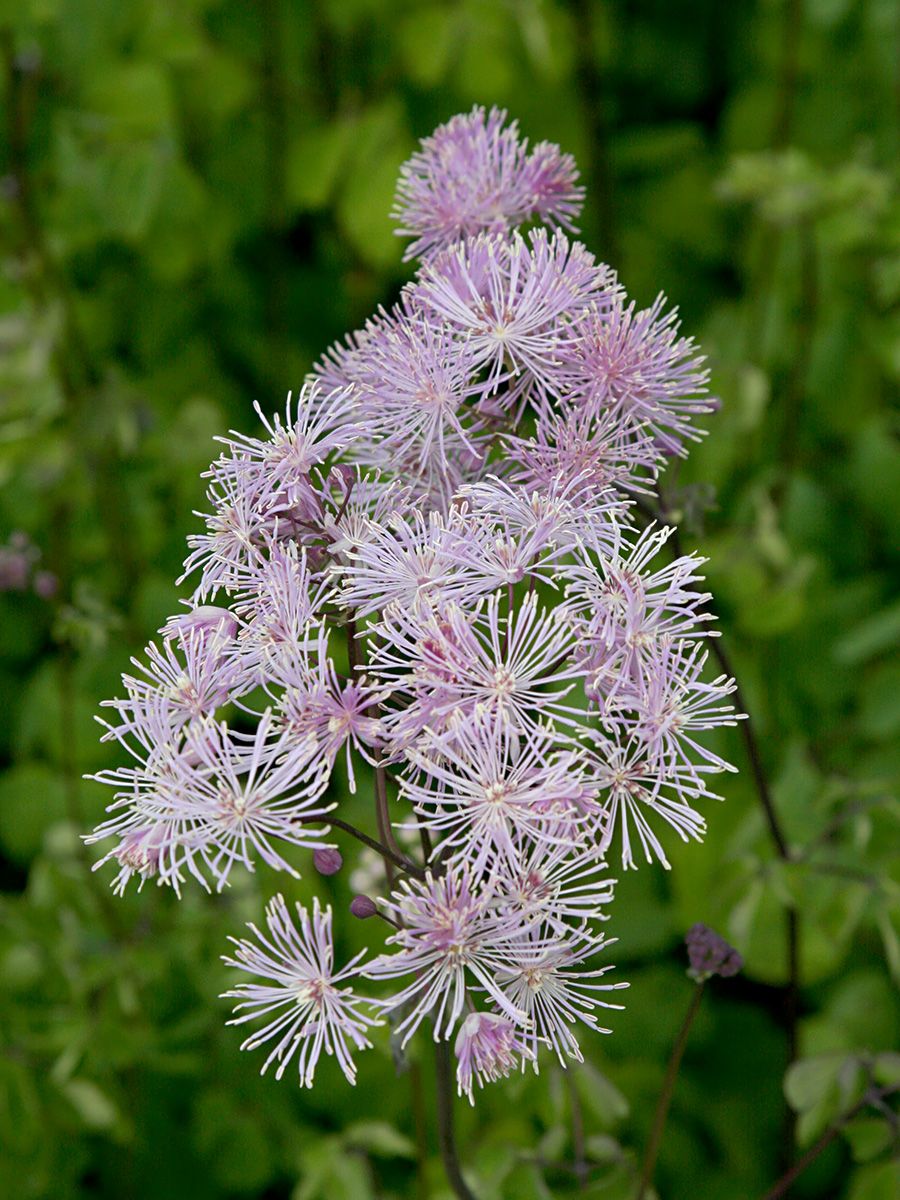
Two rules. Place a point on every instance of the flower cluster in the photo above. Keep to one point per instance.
(433, 572)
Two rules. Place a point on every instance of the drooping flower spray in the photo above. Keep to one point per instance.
(448, 507)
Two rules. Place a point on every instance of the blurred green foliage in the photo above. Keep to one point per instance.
(193, 204)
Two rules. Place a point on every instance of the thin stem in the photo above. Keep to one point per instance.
(446, 1134)
(872, 1096)
(789, 74)
(592, 70)
(779, 840)
(398, 859)
(274, 113)
(352, 648)
(420, 1126)
(381, 804)
(582, 1170)
(751, 744)
(665, 1096)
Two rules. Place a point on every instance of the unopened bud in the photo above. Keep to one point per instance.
(363, 907)
(327, 861)
(710, 954)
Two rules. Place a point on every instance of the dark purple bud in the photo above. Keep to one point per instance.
(45, 585)
(327, 861)
(710, 954)
(363, 907)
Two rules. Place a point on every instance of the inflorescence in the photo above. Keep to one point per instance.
(431, 570)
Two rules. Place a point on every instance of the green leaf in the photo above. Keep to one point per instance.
(316, 161)
(379, 1138)
(867, 1136)
(599, 1094)
(886, 1069)
(875, 635)
(32, 797)
(134, 97)
(877, 1183)
(95, 1109)
(808, 1081)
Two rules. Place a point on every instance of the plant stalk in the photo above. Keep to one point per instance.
(665, 1096)
(446, 1134)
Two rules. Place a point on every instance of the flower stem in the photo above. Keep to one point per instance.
(665, 1096)
(421, 1129)
(582, 1170)
(871, 1096)
(773, 825)
(446, 1135)
(399, 860)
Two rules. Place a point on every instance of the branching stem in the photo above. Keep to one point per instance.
(665, 1096)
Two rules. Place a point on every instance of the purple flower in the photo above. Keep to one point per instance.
(363, 907)
(451, 937)
(635, 363)
(558, 882)
(637, 791)
(216, 799)
(488, 790)
(306, 1008)
(515, 302)
(488, 1047)
(327, 860)
(452, 495)
(547, 981)
(709, 954)
(318, 709)
(448, 662)
(474, 174)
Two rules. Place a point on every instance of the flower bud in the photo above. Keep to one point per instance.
(710, 954)
(363, 907)
(327, 861)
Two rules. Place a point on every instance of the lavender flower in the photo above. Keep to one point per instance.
(546, 981)
(488, 1047)
(451, 938)
(486, 790)
(473, 174)
(306, 1007)
(432, 566)
(514, 301)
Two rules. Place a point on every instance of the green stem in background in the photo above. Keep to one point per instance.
(383, 817)
(788, 75)
(581, 1168)
(795, 386)
(593, 88)
(421, 1129)
(446, 1133)
(773, 825)
(872, 1096)
(780, 842)
(665, 1096)
(272, 100)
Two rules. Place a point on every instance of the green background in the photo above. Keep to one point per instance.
(193, 204)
